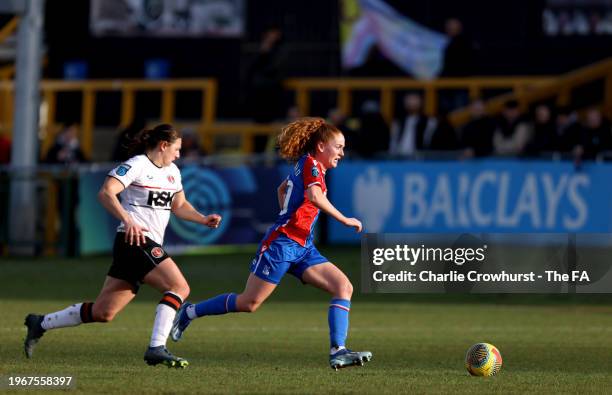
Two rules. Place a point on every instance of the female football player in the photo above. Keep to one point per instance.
(150, 188)
(315, 147)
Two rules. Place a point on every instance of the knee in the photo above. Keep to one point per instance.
(344, 290)
(103, 315)
(248, 306)
(181, 290)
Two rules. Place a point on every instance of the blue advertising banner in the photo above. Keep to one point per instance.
(479, 196)
(245, 196)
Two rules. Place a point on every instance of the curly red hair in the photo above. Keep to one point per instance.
(302, 136)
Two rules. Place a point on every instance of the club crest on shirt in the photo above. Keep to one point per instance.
(157, 252)
(123, 169)
(315, 171)
(171, 179)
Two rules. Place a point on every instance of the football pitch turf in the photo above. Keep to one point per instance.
(550, 344)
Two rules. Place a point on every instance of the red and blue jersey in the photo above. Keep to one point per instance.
(298, 215)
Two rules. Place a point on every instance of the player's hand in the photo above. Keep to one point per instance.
(354, 223)
(134, 233)
(212, 220)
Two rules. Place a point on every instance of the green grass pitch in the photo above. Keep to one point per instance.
(550, 344)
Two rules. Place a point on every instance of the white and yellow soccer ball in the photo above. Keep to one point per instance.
(483, 359)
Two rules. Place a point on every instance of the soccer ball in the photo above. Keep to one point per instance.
(483, 359)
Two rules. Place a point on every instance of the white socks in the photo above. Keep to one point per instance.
(165, 312)
(70, 316)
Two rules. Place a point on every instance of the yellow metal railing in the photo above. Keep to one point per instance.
(89, 90)
(525, 89)
(559, 88)
(388, 88)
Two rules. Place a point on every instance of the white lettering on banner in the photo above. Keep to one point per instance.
(464, 189)
(486, 199)
(578, 203)
(553, 196)
(502, 201)
(414, 197)
(441, 202)
(527, 203)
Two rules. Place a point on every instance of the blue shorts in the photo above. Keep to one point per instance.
(282, 256)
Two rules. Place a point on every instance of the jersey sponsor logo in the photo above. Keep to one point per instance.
(171, 179)
(123, 169)
(157, 252)
(315, 171)
(160, 199)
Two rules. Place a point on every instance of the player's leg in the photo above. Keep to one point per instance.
(167, 278)
(255, 293)
(267, 269)
(328, 277)
(113, 297)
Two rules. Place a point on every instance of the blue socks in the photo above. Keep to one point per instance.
(220, 304)
(338, 318)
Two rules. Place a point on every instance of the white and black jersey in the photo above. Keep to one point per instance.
(148, 194)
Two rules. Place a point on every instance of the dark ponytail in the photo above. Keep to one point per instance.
(147, 139)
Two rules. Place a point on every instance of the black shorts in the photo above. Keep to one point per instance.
(131, 263)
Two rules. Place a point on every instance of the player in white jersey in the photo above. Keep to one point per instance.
(150, 188)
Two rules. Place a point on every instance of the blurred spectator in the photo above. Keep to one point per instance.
(544, 136)
(596, 135)
(121, 151)
(190, 146)
(459, 53)
(443, 138)
(339, 119)
(512, 133)
(264, 80)
(477, 134)
(458, 62)
(5, 150)
(66, 149)
(567, 130)
(373, 134)
(409, 132)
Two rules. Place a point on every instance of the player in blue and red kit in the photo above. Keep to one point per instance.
(315, 147)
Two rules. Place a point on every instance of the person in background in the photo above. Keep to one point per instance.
(66, 149)
(513, 132)
(5, 150)
(373, 134)
(596, 136)
(477, 135)
(543, 139)
(409, 131)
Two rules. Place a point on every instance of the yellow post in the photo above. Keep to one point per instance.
(564, 97)
(247, 142)
(127, 107)
(209, 95)
(474, 92)
(87, 121)
(430, 100)
(50, 98)
(303, 101)
(386, 104)
(168, 96)
(344, 100)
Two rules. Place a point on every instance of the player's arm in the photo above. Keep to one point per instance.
(282, 193)
(318, 198)
(184, 210)
(108, 198)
